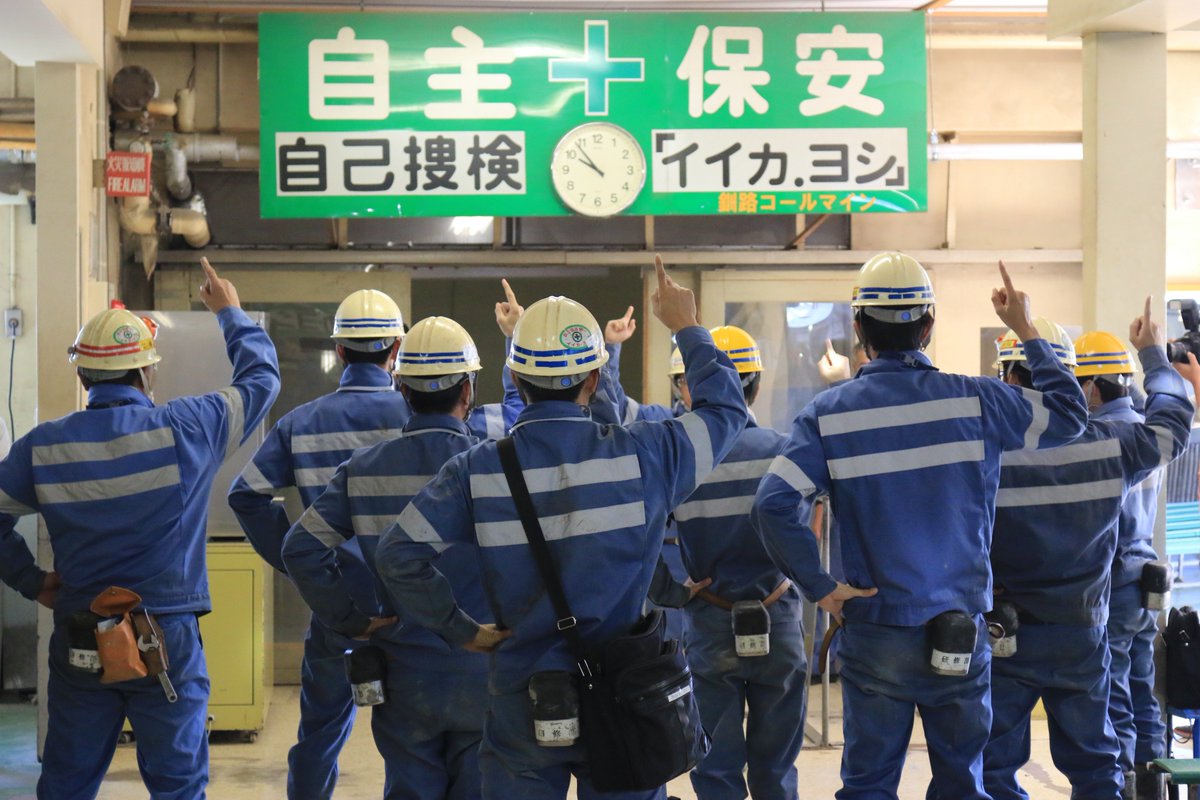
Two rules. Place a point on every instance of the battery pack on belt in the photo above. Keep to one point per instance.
(952, 636)
(1156, 585)
(751, 628)
(555, 701)
(1002, 624)
(366, 668)
(82, 651)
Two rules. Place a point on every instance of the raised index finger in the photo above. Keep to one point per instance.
(628, 315)
(209, 272)
(508, 292)
(1008, 285)
(1146, 315)
(662, 273)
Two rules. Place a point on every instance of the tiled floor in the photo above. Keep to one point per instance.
(258, 771)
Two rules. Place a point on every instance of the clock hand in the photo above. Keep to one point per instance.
(588, 161)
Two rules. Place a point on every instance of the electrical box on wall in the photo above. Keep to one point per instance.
(14, 323)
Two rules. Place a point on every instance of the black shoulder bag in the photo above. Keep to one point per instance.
(1182, 637)
(637, 713)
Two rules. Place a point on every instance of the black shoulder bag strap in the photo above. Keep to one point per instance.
(567, 623)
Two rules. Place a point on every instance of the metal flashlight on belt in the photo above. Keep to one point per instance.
(366, 668)
(1156, 585)
(952, 642)
(1002, 624)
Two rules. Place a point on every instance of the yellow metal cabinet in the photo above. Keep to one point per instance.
(238, 636)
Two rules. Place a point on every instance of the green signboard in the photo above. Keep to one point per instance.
(541, 114)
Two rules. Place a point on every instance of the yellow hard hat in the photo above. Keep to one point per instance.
(1101, 353)
(676, 367)
(436, 354)
(740, 347)
(556, 343)
(115, 340)
(368, 314)
(892, 279)
(1010, 348)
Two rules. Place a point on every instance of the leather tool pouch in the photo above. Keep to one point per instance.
(116, 640)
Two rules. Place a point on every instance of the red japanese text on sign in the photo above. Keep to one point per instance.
(127, 174)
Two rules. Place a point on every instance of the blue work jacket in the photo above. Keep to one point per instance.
(910, 458)
(123, 486)
(363, 499)
(715, 534)
(303, 450)
(1057, 512)
(602, 494)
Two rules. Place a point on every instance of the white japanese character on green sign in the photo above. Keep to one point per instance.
(469, 81)
(736, 84)
(827, 96)
(348, 78)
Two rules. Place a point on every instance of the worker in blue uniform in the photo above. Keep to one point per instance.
(1105, 369)
(750, 686)
(624, 409)
(429, 727)
(603, 494)
(910, 458)
(123, 488)
(670, 587)
(1055, 539)
(302, 450)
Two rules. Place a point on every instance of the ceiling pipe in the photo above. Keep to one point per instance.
(197, 147)
(191, 34)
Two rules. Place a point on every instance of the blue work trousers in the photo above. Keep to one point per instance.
(326, 715)
(86, 718)
(428, 733)
(770, 688)
(515, 766)
(1132, 706)
(1066, 666)
(886, 675)
(676, 618)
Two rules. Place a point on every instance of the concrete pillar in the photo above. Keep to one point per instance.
(1124, 176)
(68, 236)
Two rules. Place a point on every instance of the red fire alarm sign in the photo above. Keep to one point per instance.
(127, 174)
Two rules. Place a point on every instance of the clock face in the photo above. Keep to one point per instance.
(598, 169)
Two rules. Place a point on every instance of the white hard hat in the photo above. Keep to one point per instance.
(115, 340)
(894, 280)
(556, 343)
(436, 354)
(1010, 348)
(676, 367)
(371, 315)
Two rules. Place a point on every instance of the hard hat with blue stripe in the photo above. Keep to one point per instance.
(368, 320)
(556, 344)
(1101, 353)
(740, 347)
(1010, 348)
(436, 354)
(893, 287)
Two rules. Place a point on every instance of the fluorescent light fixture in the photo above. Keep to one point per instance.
(470, 226)
(1011, 151)
(1037, 151)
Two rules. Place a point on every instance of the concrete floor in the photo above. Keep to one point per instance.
(258, 771)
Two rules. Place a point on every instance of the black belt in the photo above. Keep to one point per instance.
(1025, 618)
